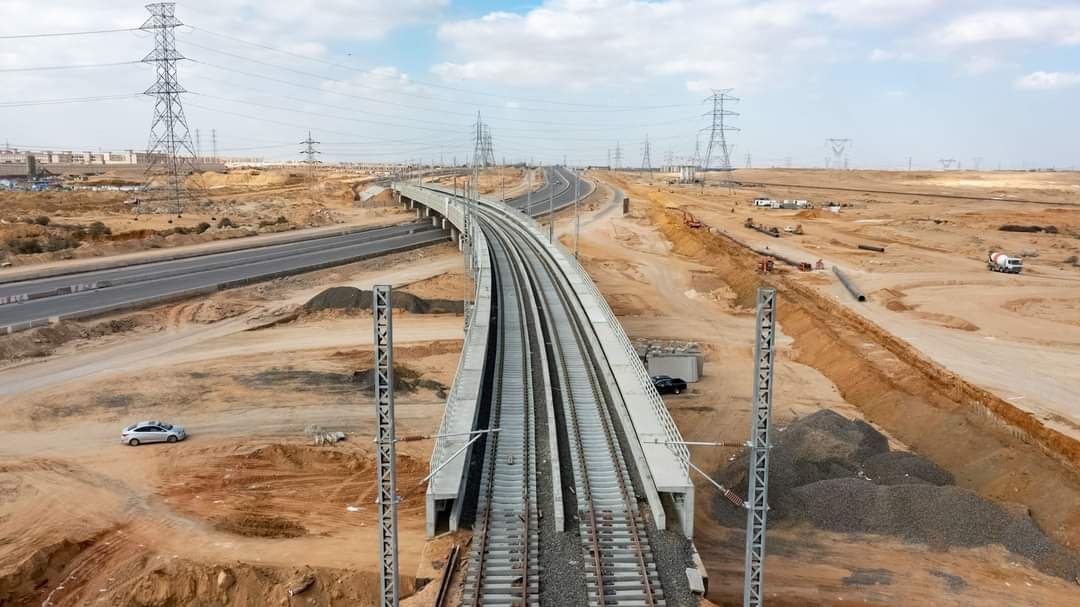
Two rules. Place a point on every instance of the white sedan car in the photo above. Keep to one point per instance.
(151, 432)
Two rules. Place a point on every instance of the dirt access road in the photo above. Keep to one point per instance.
(246, 509)
(666, 284)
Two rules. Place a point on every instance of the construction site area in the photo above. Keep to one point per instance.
(427, 346)
(906, 467)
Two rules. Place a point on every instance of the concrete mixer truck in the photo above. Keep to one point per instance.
(1000, 262)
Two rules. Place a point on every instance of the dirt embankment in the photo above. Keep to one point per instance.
(987, 444)
(104, 571)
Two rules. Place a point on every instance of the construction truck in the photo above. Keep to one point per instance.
(1000, 262)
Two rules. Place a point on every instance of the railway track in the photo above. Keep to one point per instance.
(502, 569)
(618, 566)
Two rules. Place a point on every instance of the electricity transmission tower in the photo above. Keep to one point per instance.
(309, 151)
(839, 155)
(718, 129)
(748, 161)
(646, 161)
(946, 163)
(483, 152)
(618, 155)
(976, 163)
(213, 142)
(170, 151)
(198, 145)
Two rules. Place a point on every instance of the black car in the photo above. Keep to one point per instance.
(666, 384)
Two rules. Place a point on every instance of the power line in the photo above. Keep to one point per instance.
(398, 105)
(45, 68)
(58, 34)
(34, 102)
(437, 85)
(494, 106)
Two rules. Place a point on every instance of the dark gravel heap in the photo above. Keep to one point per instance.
(941, 517)
(900, 468)
(353, 299)
(838, 474)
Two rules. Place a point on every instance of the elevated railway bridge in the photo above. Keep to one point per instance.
(582, 462)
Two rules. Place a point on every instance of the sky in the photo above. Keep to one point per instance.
(989, 83)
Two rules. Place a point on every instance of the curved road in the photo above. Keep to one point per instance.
(560, 181)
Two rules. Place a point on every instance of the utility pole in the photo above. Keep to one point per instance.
(169, 151)
(309, 151)
(757, 503)
(577, 216)
(839, 157)
(718, 129)
(528, 191)
(551, 208)
(386, 465)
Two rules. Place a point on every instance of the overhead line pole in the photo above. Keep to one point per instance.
(757, 503)
(385, 445)
(551, 208)
(577, 216)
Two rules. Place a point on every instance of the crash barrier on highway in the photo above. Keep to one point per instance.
(657, 449)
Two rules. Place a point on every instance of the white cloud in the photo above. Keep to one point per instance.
(1045, 81)
(877, 12)
(1059, 26)
(878, 55)
(736, 43)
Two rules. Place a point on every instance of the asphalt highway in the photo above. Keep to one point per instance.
(144, 284)
(560, 182)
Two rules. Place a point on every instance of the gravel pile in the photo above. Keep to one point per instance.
(900, 468)
(941, 517)
(353, 299)
(838, 474)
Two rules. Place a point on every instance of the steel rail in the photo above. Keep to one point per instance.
(508, 532)
(590, 451)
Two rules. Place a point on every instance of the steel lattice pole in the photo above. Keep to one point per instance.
(757, 497)
(384, 445)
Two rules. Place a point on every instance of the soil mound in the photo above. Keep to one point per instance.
(251, 524)
(353, 299)
(840, 475)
